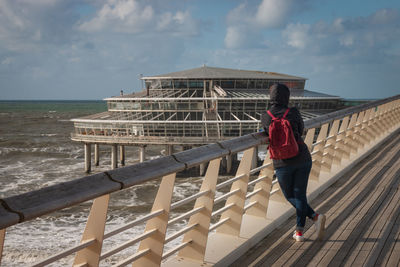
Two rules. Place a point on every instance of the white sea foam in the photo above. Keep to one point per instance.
(49, 135)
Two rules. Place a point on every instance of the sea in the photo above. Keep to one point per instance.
(36, 151)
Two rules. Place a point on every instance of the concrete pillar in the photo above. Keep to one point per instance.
(202, 169)
(223, 163)
(88, 156)
(169, 150)
(255, 158)
(142, 156)
(228, 163)
(122, 155)
(114, 161)
(96, 155)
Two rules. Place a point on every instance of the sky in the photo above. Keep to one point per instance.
(92, 49)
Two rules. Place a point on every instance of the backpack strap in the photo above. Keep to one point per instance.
(284, 115)
(274, 118)
(270, 114)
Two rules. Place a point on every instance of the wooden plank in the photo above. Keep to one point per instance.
(377, 251)
(340, 224)
(7, 218)
(375, 236)
(43, 201)
(350, 197)
(290, 253)
(391, 249)
(196, 156)
(335, 245)
(145, 171)
(394, 259)
(349, 250)
(364, 242)
(242, 143)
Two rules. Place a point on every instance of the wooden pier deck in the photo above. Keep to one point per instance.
(363, 220)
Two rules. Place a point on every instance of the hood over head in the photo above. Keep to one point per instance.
(279, 94)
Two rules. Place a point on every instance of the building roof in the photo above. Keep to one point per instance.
(206, 72)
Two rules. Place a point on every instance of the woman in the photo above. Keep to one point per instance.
(293, 173)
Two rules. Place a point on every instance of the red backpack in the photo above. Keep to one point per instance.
(282, 144)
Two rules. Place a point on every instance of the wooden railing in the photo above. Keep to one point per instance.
(221, 223)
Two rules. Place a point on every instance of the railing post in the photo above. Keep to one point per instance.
(379, 119)
(319, 149)
(155, 242)
(397, 111)
(365, 128)
(350, 144)
(329, 153)
(2, 239)
(235, 213)
(394, 114)
(373, 124)
(309, 139)
(197, 249)
(94, 229)
(341, 151)
(383, 119)
(265, 185)
(358, 137)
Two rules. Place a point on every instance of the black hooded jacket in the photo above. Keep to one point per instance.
(279, 99)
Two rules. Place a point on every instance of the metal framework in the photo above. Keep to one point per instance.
(195, 107)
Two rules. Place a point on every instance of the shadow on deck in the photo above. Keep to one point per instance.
(363, 220)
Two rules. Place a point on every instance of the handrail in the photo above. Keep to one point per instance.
(320, 120)
(27, 206)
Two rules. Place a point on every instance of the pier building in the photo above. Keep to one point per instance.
(191, 108)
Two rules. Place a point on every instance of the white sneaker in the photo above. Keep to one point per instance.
(320, 226)
(298, 236)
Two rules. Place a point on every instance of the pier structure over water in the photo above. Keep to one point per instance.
(355, 178)
(191, 108)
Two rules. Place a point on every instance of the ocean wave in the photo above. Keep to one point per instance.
(48, 135)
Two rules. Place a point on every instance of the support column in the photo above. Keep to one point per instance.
(114, 151)
(255, 158)
(202, 169)
(96, 154)
(228, 163)
(122, 155)
(142, 155)
(88, 156)
(169, 149)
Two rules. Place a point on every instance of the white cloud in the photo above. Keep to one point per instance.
(74, 60)
(7, 61)
(347, 40)
(245, 20)
(297, 35)
(120, 16)
(273, 13)
(10, 16)
(239, 15)
(233, 37)
(133, 16)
